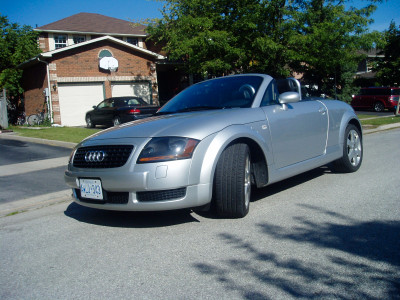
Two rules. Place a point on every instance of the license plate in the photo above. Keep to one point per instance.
(91, 189)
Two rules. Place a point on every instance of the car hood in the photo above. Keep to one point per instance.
(195, 125)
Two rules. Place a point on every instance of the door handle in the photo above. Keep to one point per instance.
(322, 110)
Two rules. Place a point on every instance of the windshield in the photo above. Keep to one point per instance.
(220, 93)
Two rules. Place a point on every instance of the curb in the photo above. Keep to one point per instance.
(19, 206)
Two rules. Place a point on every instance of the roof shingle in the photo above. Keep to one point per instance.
(94, 23)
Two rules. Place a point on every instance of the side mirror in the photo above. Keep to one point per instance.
(94, 106)
(288, 97)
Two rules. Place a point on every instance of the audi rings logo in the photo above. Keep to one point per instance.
(95, 156)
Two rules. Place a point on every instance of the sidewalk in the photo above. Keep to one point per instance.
(381, 128)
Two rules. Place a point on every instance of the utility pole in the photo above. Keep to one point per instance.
(3, 111)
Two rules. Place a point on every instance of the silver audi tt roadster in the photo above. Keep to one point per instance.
(211, 144)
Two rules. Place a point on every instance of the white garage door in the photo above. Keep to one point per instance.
(76, 100)
(138, 89)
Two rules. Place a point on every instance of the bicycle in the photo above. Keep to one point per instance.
(21, 119)
(38, 118)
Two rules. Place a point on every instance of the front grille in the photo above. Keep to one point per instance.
(109, 197)
(111, 156)
(161, 195)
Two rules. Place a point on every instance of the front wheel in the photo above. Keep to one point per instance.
(232, 182)
(379, 107)
(352, 151)
(89, 122)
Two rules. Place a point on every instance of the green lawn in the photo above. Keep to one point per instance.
(66, 134)
(380, 121)
(362, 116)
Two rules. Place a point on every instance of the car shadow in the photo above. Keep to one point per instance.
(261, 193)
(127, 219)
(174, 217)
(275, 188)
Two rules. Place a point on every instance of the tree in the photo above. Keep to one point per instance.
(319, 39)
(328, 42)
(221, 37)
(388, 68)
(17, 44)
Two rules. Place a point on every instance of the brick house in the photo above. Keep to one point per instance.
(87, 58)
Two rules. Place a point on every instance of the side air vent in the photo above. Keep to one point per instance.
(155, 196)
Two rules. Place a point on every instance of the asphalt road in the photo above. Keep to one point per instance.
(319, 235)
(29, 169)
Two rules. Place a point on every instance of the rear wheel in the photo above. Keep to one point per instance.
(352, 151)
(232, 182)
(116, 121)
(378, 107)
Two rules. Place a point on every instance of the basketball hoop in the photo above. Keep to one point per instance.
(108, 63)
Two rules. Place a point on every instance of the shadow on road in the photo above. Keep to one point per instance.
(128, 219)
(356, 260)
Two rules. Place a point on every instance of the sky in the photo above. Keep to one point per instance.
(37, 13)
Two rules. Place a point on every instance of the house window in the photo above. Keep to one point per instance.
(60, 41)
(133, 41)
(79, 39)
(105, 53)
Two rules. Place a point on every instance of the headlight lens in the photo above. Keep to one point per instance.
(166, 149)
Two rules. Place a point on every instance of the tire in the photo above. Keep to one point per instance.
(89, 122)
(232, 182)
(352, 151)
(116, 121)
(33, 120)
(379, 107)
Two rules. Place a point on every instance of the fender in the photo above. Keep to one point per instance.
(347, 119)
(215, 145)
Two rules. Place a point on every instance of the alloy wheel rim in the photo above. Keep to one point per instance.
(354, 148)
(379, 107)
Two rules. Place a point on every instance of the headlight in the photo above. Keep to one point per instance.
(167, 148)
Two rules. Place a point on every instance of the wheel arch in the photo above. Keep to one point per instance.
(258, 161)
(260, 152)
(356, 123)
(346, 120)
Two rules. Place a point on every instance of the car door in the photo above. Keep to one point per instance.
(298, 131)
(103, 114)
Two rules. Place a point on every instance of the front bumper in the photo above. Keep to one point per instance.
(193, 196)
(142, 187)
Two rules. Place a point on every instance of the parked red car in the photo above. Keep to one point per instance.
(376, 98)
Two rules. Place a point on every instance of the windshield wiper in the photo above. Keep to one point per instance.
(197, 108)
